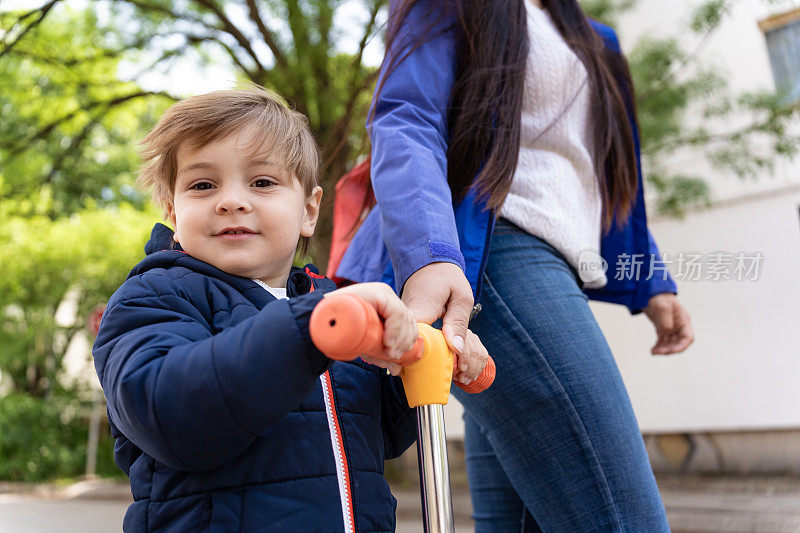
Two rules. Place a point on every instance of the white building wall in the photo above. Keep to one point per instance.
(742, 371)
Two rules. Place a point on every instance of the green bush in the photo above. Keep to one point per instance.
(44, 422)
(46, 439)
(89, 253)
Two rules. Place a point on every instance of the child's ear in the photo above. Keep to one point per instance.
(311, 213)
(173, 220)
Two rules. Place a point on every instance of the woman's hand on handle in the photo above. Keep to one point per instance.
(672, 322)
(440, 290)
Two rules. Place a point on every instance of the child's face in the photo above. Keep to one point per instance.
(239, 212)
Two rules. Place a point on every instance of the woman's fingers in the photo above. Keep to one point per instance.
(674, 329)
(683, 334)
(672, 322)
(473, 359)
(464, 360)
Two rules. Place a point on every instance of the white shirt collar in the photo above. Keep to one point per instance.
(277, 292)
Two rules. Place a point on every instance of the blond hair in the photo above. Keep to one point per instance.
(201, 119)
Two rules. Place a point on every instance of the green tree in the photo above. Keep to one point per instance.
(296, 48)
(44, 418)
(671, 80)
(70, 126)
(293, 47)
(70, 223)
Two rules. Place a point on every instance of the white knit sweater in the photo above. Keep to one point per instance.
(554, 194)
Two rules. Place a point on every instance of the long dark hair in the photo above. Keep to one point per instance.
(486, 102)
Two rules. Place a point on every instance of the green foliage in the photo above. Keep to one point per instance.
(69, 125)
(678, 193)
(89, 252)
(43, 440)
(662, 99)
(72, 123)
(674, 86)
(43, 425)
(708, 15)
(606, 11)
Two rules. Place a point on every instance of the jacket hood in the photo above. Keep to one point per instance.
(163, 252)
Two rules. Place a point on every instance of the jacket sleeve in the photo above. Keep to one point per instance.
(398, 420)
(409, 144)
(193, 400)
(661, 280)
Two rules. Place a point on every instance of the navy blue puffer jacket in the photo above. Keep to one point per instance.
(227, 418)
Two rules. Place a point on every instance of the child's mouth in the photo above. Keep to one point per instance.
(235, 234)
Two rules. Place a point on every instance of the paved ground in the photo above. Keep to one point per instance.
(96, 506)
(732, 504)
(34, 515)
(694, 504)
(31, 514)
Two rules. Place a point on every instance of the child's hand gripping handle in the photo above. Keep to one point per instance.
(343, 326)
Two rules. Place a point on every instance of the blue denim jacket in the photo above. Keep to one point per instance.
(416, 223)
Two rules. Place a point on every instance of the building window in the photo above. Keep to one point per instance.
(783, 43)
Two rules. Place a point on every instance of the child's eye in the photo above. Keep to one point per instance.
(262, 182)
(202, 186)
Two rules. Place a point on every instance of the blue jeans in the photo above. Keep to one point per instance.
(554, 444)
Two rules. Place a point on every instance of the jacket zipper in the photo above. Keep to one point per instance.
(342, 469)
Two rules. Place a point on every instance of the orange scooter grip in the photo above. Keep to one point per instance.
(344, 326)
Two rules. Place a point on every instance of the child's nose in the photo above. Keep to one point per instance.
(232, 200)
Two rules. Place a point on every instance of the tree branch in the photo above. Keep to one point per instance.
(320, 52)
(157, 8)
(42, 14)
(108, 104)
(338, 130)
(68, 62)
(684, 61)
(269, 37)
(231, 29)
(143, 5)
(231, 52)
(373, 15)
(76, 142)
(706, 138)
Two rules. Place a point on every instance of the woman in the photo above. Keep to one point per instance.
(505, 165)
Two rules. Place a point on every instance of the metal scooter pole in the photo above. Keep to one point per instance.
(434, 475)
